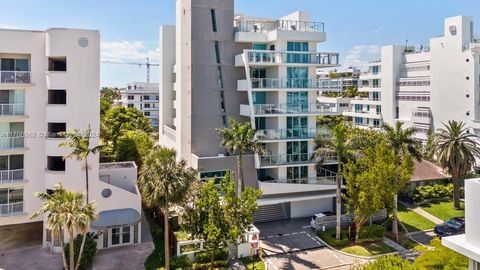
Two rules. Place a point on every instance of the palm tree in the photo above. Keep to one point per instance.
(456, 150)
(239, 139)
(164, 182)
(66, 211)
(79, 142)
(403, 143)
(341, 144)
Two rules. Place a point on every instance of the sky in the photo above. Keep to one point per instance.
(129, 28)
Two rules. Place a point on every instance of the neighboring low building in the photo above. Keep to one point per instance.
(468, 244)
(427, 173)
(144, 97)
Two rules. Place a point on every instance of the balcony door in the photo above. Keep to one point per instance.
(297, 77)
(297, 151)
(297, 47)
(297, 102)
(297, 172)
(297, 126)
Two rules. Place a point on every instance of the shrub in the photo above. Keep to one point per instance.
(179, 262)
(432, 192)
(89, 251)
(371, 233)
(387, 263)
(206, 256)
(329, 237)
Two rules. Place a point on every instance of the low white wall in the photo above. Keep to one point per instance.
(310, 207)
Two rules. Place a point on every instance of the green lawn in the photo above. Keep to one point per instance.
(368, 249)
(253, 264)
(443, 209)
(413, 221)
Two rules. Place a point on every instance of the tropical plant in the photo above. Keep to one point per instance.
(79, 143)
(89, 251)
(133, 146)
(340, 144)
(66, 211)
(439, 257)
(164, 183)
(239, 139)
(456, 150)
(405, 147)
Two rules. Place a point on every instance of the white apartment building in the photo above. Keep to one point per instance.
(49, 83)
(424, 86)
(265, 75)
(144, 97)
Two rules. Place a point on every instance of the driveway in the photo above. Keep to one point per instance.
(127, 257)
(320, 258)
(34, 257)
(286, 236)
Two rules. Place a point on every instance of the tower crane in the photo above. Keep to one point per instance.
(146, 64)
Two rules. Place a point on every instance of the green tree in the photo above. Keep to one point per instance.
(107, 97)
(428, 151)
(217, 215)
(66, 211)
(456, 150)
(340, 144)
(367, 183)
(164, 183)
(133, 145)
(387, 263)
(440, 257)
(239, 139)
(404, 146)
(329, 120)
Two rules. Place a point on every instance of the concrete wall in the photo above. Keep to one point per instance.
(311, 207)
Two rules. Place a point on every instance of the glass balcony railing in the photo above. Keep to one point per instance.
(11, 176)
(12, 109)
(11, 142)
(11, 209)
(289, 159)
(294, 83)
(265, 26)
(293, 108)
(291, 57)
(15, 77)
(285, 134)
(321, 180)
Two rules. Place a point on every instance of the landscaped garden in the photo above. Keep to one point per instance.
(443, 209)
(413, 221)
(254, 263)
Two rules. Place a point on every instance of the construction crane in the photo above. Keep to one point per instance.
(146, 64)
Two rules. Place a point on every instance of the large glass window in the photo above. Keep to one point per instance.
(115, 236)
(297, 172)
(297, 101)
(259, 97)
(297, 151)
(297, 47)
(260, 123)
(256, 46)
(297, 126)
(297, 77)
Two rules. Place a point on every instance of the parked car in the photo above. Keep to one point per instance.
(318, 215)
(450, 227)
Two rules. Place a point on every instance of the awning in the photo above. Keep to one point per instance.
(116, 218)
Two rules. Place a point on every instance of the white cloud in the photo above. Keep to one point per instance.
(128, 51)
(359, 55)
(5, 26)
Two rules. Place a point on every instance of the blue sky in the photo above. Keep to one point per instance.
(129, 28)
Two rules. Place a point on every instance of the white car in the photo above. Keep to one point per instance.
(318, 215)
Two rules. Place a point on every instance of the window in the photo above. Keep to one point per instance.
(12, 197)
(146, 106)
(214, 20)
(375, 69)
(57, 64)
(56, 164)
(146, 113)
(217, 51)
(219, 77)
(120, 235)
(55, 130)
(130, 105)
(130, 97)
(10, 64)
(257, 46)
(57, 97)
(146, 97)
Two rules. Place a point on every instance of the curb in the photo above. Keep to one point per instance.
(357, 256)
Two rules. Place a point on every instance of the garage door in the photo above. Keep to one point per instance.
(310, 207)
(21, 235)
(274, 212)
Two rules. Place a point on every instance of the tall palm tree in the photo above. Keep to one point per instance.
(79, 143)
(340, 144)
(66, 211)
(403, 143)
(239, 139)
(456, 150)
(164, 182)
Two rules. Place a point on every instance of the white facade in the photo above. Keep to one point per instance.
(49, 83)
(144, 97)
(424, 86)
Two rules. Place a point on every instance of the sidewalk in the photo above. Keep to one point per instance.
(423, 213)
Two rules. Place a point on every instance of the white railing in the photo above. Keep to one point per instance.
(11, 142)
(12, 109)
(363, 112)
(286, 159)
(416, 49)
(369, 86)
(11, 209)
(259, 26)
(294, 83)
(15, 77)
(296, 133)
(260, 109)
(421, 113)
(291, 57)
(10, 176)
(321, 180)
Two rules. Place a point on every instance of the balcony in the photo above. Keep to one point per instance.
(14, 77)
(366, 114)
(323, 180)
(7, 143)
(11, 209)
(270, 58)
(422, 116)
(11, 176)
(279, 83)
(15, 109)
(281, 109)
(366, 101)
(288, 134)
(292, 159)
(369, 88)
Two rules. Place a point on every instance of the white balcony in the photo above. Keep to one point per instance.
(422, 116)
(366, 101)
(15, 109)
(8, 143)
(275, 84)
(288, 109)
(271, 161)
(364, 114)
(273, 58)
(11, 176)
(369, 88)
(266, 135)
(14, 77)
(369, 75)
(11, 209)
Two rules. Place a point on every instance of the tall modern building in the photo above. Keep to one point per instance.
(425, 86)
(49, 83)
(255, 70)
(144, 97)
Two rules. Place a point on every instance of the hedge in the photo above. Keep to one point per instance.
(437, 191)
(371, 233)
(89, 250)
(329, 237)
